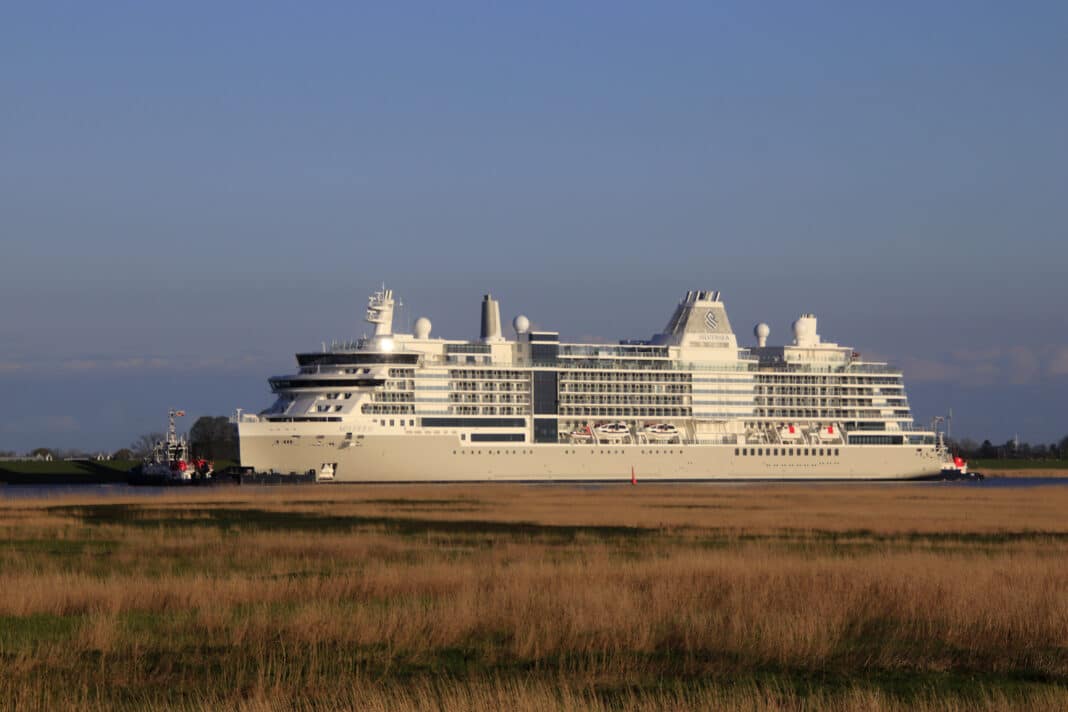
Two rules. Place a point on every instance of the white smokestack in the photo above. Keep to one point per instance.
(491, 320)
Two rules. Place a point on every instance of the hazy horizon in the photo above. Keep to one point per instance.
(191, 194)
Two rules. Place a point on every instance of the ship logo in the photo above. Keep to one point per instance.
(710, 321)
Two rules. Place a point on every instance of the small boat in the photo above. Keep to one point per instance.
(171, 461)
(662, 432)
(613, 431)
(790, 434)
(582, 435)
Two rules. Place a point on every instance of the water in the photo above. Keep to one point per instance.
(53, 491)
(1012, 482)
(122, 490)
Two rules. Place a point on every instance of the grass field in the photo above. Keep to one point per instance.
(1021, 468)
(885, 597)
(64, 471)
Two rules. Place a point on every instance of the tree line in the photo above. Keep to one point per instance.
(211, 437)
(1010, 450)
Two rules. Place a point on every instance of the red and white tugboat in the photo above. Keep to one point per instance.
(171, 461)
(957, 469)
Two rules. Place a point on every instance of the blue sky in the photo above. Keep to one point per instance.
(191, 192)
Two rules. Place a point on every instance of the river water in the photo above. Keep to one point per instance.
(121, 490)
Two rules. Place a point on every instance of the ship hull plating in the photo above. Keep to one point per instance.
(444, 458)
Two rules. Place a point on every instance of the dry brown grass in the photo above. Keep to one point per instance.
(539, 597)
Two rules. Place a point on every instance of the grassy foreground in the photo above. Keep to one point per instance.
(873, 597)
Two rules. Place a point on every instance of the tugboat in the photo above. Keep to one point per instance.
(957, 469)
(171, 461)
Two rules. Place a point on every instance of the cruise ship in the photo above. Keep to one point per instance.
(690, 403)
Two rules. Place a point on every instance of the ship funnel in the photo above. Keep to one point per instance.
(491, 319)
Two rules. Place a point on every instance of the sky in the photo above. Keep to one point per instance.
(191, 192)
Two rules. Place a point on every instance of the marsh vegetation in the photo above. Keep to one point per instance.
(538, 597)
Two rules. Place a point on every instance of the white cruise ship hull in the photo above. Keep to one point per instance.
(444, 458)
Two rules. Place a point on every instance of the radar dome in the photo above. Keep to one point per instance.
(422, 328)
(521, 324)
(805, 331)
(761, 331)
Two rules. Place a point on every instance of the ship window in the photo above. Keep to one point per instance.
(821, 452)
(806, 451)
(776, 452)
(836, 452)
(391, 422)
(791, 452)
(735, 451)
(760, 451)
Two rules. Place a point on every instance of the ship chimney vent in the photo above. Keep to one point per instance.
(491, 319)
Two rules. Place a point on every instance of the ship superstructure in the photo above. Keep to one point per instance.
(689, 403)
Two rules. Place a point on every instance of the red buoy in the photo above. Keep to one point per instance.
(633, 477)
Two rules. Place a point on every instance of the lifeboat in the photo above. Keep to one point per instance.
(789, 434)
(581, 435)
(613, 431)
(661, 431)
(830, 433)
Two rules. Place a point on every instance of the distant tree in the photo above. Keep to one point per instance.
(42, 452)
(124, 453)
(987, 450)
(968, 447)
(214, 438)
(1062, 446)
(143, 445)
(7, 453)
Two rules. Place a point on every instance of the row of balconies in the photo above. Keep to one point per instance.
(488, 374)
(628, 377)
(625, 400)
(488, 398)
(625, 388)
(488, 410)
(633, 412)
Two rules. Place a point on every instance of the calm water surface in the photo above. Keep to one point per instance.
(121, 490)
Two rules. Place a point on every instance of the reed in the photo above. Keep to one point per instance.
(547, 597)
